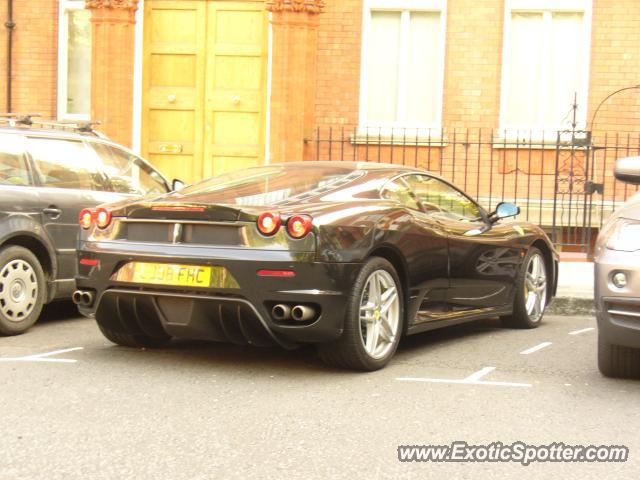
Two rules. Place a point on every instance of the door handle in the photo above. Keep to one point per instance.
(53, 212)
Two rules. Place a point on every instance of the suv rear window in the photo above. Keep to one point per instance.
(13, 167)
(126, 173)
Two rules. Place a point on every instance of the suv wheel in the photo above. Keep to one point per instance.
(22, 290)
(618, 361)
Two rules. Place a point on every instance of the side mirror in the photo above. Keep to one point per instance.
(628, 170)
(504, 210)
(177, 184)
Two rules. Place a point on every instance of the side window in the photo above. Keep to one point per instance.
(63, 163)
(126, 173)
(13, 166)
(437, 196)
(398, 191)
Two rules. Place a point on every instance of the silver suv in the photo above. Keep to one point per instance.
(617, 283)
(48, 173)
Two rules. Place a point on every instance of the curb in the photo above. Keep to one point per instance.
(571, 306)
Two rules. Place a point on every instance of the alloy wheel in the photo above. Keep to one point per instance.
(535, 287)
(379, 314)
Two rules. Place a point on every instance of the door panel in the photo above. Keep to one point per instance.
(205, 75)
(478, 276)
(173, 87)
(484, 265)
(66, 175)
(236, 81)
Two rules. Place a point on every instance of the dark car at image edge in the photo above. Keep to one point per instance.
(347, 256)
(49, 172)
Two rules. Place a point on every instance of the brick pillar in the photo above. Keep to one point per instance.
(294, 46)
(112, 37)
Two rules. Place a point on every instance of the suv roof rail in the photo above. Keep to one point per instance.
(27, 120)
(19, 118)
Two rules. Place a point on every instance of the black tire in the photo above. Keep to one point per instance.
(13, 322)
(617, 361)
(348, 351)
(520, 318)
(134, 340)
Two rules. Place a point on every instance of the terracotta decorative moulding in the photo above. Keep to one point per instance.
(115, 4)
(307, 6)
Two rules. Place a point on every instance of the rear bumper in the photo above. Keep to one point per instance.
(238, 315)
(618, 309)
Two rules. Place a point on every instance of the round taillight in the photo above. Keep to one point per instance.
(269, 223)
(86, 218)
(299, 226)
(103, 217)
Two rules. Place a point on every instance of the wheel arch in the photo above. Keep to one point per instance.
(550, 264)
(395, 258)
(36, 247)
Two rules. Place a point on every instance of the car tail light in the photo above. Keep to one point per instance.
(86, 218)
(103, 217)
(299, 226)
(269, 223)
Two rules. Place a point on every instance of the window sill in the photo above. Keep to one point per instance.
(400, 139)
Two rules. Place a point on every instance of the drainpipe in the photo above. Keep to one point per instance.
(10, 24)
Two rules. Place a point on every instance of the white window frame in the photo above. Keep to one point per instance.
(404, 6)
(547, 7)
(65, 6)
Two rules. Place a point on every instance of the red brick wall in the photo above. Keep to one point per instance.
(615, 64)
(473, 63)
(339, 49)
(35, 56)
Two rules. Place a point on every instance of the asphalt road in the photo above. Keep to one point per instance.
(216, 411)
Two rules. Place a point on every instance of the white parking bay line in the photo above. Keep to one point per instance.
(531, 350)
(584, 330)
(473, 379)
(44, 357)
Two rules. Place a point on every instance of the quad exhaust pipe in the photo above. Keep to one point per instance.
(82, 298)
(298, 313)
(281, 312)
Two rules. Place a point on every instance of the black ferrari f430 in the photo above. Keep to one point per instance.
(347, 256)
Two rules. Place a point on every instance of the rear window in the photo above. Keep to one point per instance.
(126, 173)
(271, 185)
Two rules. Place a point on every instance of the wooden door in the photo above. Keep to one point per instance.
(173, 86)
(236, 86)
(204, 86)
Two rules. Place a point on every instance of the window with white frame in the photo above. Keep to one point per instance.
(545, 64)
(402, 63)
(74, 60)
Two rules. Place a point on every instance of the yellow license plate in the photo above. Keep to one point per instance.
(171, 274)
